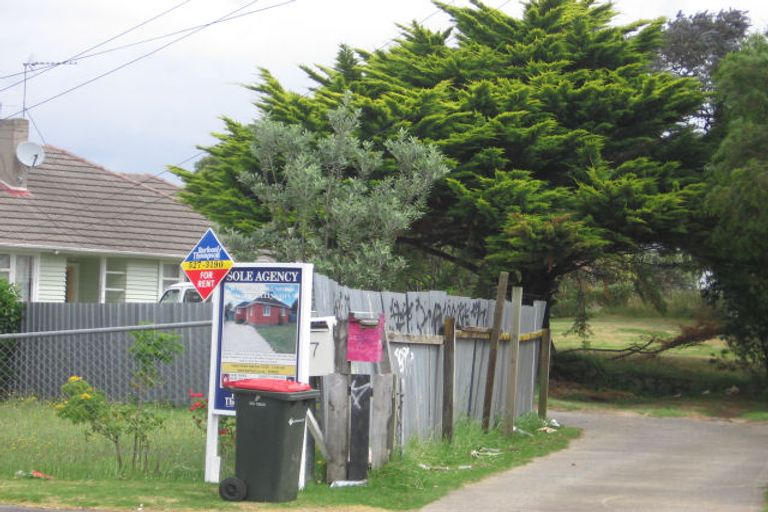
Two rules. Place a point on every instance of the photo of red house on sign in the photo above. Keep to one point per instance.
(207, 264)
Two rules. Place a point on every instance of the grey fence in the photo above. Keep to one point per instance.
(39, 366)
(419, 366)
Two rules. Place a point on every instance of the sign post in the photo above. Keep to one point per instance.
(261, 329)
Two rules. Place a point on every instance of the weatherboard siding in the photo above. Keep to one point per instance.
(52, 278)
(141, 281)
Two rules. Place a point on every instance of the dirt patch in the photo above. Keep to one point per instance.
(572, 391)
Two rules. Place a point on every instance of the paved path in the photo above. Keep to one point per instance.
(633, 463)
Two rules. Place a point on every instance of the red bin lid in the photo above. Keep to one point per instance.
(273, 385)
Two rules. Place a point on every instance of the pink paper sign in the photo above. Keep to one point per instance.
(364, 341)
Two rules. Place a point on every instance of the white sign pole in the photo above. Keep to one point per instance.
(305, 330)
(212, 459)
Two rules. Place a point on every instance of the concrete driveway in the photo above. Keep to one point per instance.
(633, 463)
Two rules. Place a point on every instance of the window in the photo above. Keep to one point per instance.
(169, 274)
(191, 295)
(170, 297)
(23, 277)
(115, 280)
(266, 310)
(19, 270)
(5, 267)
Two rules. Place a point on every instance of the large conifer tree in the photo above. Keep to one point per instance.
(567, 144)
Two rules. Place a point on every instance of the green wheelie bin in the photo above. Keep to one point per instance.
(271, 420)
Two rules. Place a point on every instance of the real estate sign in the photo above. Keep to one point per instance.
(207, 264)
(261, 329)
(263, 326)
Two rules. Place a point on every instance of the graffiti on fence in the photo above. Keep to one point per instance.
(399, 314)
(358, 392)
(341, 302)
(403, 356)
(421, 313)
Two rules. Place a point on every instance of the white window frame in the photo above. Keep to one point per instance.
(34, 274)
(266, 310)
(164, 282)
(105, 272)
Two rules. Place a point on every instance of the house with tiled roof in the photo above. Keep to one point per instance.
(264, 310)
(73, 231)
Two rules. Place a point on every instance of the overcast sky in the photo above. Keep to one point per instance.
(157, 110)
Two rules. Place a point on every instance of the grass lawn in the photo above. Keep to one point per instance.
(85, 474)
(616, 331)
(282, 338)
(681, 382)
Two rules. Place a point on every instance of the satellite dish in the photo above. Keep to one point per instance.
(30, 154)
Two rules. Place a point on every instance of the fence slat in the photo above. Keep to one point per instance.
(336, 387)
(510, 408)
(498, 313)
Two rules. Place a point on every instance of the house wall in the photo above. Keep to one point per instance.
(142, 281)
(277, 315)
(51, 286)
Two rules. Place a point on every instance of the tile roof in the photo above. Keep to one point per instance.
(74, 205)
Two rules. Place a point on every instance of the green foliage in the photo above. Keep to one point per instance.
(737, 248)
(567, 145)
(84, 404)
(10, 317)
(652, 377)
(335, 201)
(10, 307)
(214, 188)
(648, 283)
(150, 349)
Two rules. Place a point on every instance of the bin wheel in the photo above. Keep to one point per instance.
(233, 489)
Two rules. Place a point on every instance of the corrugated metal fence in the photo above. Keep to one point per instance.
(419, 366)
(39, 366)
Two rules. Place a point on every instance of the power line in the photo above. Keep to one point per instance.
(83, 55)
(165, 36)
(150, 53)
(121, 34)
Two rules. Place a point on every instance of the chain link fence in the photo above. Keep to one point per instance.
(40, 365)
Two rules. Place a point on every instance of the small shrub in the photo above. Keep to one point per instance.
(86, 405)
(10, 318)
(83, 404)
(199, 410)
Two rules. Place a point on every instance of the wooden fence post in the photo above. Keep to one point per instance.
(514, 355)
(498, 313)
(360, 426)
(382, 424)
(337, 427)
(449, 344)
(544, 356)
(340, 331)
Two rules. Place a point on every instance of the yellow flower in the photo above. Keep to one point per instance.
(85, 396)
(75, 378)
(60, 406)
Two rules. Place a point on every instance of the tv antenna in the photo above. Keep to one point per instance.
(33, 66)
